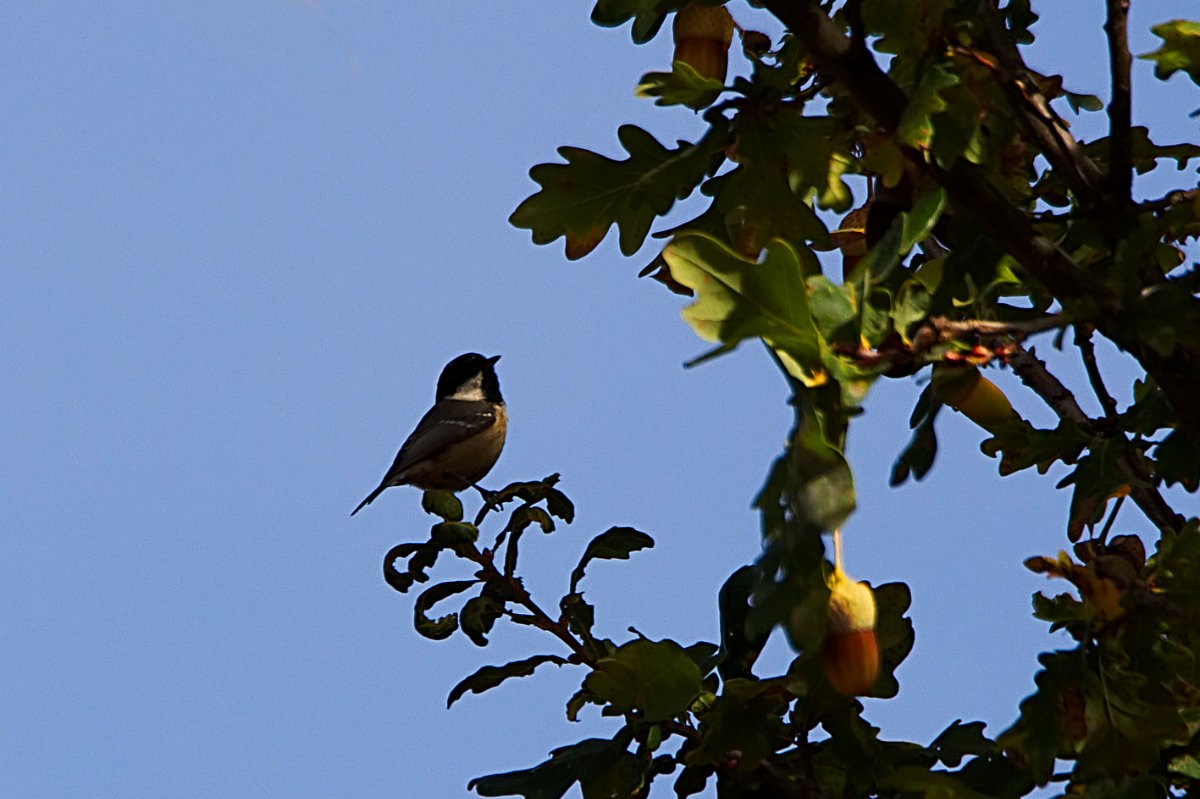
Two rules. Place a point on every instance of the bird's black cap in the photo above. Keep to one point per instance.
(463, 368)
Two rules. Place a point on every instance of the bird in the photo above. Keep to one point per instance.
(460, 438)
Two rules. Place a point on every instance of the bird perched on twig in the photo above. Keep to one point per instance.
(459, 439)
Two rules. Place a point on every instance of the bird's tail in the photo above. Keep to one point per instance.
(370, 498)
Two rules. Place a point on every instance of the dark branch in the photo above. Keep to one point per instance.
(1083, 340)
(836, 56)
(972, 194)
(515, 589)
(982, 327)
(1033, 373)
(1033, 112)
(1120, 165)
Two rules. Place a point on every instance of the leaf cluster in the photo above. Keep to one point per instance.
(888, 191)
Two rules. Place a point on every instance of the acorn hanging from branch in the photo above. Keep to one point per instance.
(703, 34)
(850, 652)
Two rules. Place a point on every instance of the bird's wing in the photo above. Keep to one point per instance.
(447, 423)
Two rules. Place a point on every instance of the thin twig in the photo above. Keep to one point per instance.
(1177, 197)
(1033, 373)
(514, 588)
(682, 730)
(1033, 111)
(983, 327)
(1112, 517)
(1083, 340)
(971, 192)
(1120, 60)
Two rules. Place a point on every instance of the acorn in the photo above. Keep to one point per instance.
(703, 34)
(965, 390)
(850, 653)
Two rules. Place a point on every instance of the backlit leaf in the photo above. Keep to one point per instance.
(738, 299)
(1180, 49)
(683, 85)
(656, 677)
(581, 199)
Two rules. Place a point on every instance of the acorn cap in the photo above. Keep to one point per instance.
(851, 604)
(699, 21)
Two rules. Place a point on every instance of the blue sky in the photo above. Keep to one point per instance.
(239, 241)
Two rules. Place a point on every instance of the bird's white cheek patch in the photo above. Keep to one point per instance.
(470, 391)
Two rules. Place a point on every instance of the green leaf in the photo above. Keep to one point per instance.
(739, 647)
(647, 15)
(1176, 564)
(579, 700)
(821, 485)
(1180, 49)
(705, 655)
(579, 614)
(442, 503)
(1186, 766)
(489, 677)
(559, 505)
(894, 634)
(905, 28)
(580, 200)
(916, 128)
(437, 629)
(1084, 102)
(420, 557)
(615, 543)
(1175, 461)
(478, 616)
(683, 85)
(655, 677)
(553, 778)
(622, 776)
(739, 299)
(526, 515)
(1029, 447)
(959, 740)
(1097, 477)
(957, 130)
(921, 220)
(747, 718)
(909, 780)
(451, 534)
(1052, 719)
(917, 458)
(1061, 611)
(786, 163)
(693, 779)
(832, 310)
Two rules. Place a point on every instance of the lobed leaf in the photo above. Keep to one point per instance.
(683, 85)
(959, 740)
(1180, 49)
(581, 199)
(737, 298)
(647, 15)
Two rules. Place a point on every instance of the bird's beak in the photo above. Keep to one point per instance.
(492, 360)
